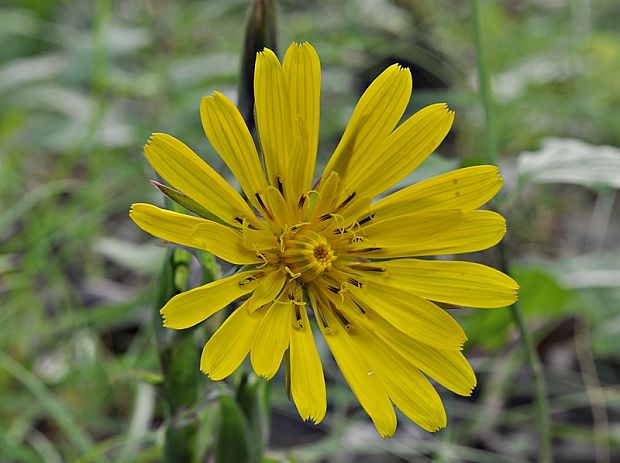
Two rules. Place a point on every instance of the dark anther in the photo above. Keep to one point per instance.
(240, 221)
(353, 281)
(280, 186)
(301, 202)
(262, 205)
(368, 269)
(334, 290)
(346, 201)
(366, 219)
(298, 315)
(325, 217)
(367, 249)
(322, 317)
(343, 319)
(247, 280)
(359, 306)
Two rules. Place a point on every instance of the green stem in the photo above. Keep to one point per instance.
(541, 397)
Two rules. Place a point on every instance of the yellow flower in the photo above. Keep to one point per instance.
(328, 249)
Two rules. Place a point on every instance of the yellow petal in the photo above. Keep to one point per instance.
(225, 242)
(327, 196)
(402, 151)
(375, 116)
(258, 239)
(465, 189)
(193, 306)
(477, 230)
(448, 367)
(187, 172)
(302, 70)
(274, 115)
(230, 344)
(230, 136)
(355, 367)
(407, 387)
(411, 230)
(268, 289)
(279, 211)
(453, 282)
(272, 338)
(307, 380)
(166, 225)
(416, 317)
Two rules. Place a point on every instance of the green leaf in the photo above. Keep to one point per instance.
(185, 201)
(540, 294)
(233, 444)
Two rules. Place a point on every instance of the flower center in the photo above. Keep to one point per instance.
(307, 254)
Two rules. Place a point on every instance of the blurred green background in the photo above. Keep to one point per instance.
(84, 83)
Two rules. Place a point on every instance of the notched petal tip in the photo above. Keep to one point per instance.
(403, 68)
(266, 53)
(137, 208)
(397, 71)
(405, 73)
(164, 320)
(446, 108)
(157, 138)
(438, 427)
(210, 375)
(215, 95)
(264, 375)
(302, 48)
(316, 419)
(149, 142)
(397, 67)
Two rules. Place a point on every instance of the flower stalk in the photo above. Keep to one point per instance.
(490, 140)
(178, 357)
(242, 427)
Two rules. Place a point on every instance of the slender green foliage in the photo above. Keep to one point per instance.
(484, 79)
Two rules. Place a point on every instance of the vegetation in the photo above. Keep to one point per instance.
(82, 86)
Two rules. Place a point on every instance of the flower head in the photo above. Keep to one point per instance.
(326, 249)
